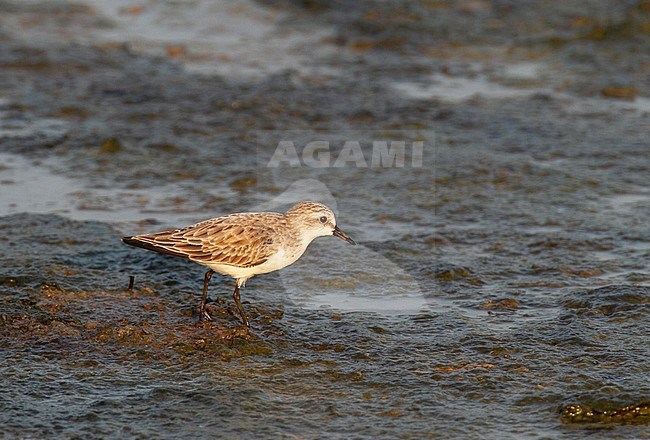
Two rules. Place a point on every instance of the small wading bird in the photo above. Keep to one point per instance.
(246, 244)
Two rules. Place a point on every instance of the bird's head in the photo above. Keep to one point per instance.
(316, 220)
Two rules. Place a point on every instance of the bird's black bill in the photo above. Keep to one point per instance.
(342, 235)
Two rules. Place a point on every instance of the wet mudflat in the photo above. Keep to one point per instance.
(500, 290)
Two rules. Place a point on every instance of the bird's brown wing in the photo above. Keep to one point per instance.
(241, 240)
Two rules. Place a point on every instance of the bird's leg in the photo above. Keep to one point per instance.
(203, 314)
(239, 306)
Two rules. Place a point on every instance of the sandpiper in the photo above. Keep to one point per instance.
(245, 244)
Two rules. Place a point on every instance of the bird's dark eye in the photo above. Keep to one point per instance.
(323, 219)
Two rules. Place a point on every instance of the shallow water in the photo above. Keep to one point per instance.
(500, 288)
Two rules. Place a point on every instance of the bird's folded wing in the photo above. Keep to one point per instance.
(240, 244)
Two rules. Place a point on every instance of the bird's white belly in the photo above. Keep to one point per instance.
(277, 261)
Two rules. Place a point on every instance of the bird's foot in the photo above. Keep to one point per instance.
(204, 316)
